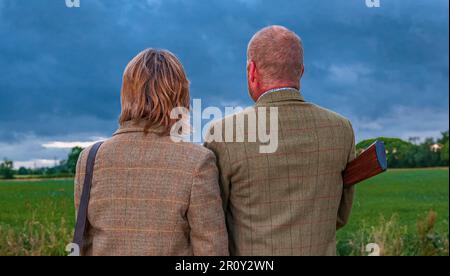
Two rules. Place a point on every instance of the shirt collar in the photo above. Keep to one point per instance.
(280, 94)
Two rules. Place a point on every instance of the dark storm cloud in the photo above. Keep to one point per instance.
(60, 68)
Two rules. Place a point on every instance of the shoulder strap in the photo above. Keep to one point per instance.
(80, 227)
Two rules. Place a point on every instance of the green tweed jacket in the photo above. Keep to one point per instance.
(291, 201)
(151, 196)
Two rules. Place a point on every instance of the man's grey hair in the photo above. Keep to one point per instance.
(277, 53)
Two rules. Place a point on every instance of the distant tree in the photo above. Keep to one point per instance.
(397, 151)
(63, 166)
(432, 157)
(444, 151)
(23, 171)
(7, 169)
(72, 159)
(414, 140)
(444, 154)
(444, 138)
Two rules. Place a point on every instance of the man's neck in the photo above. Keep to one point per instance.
(274, 88)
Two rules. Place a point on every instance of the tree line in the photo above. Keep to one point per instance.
(411, 154)
(66, 168)
(400, 154)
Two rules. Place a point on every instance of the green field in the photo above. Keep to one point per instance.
(408, 196)
(36, 218)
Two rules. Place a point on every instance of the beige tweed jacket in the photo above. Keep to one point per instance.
(151, 196)
(289, 202)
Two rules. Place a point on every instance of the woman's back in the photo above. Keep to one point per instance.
(152, 196)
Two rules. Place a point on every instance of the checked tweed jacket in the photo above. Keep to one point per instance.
(289, 202)
(151, 196)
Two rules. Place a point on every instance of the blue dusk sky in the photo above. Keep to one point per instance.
(384, 68)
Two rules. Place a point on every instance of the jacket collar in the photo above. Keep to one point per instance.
(135, 126)
(280, 95)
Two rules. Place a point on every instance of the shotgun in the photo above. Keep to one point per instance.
(371, 162)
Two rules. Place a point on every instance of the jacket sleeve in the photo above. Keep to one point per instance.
(223, 164)
(205, 214)
(345, 206)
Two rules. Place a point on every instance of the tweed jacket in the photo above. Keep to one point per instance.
(152, 196)
(291, 201)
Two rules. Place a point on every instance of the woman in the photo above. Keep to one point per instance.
(151, 195)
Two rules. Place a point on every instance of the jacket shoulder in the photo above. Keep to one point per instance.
(333, 116)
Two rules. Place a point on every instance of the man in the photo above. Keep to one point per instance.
(290, 201)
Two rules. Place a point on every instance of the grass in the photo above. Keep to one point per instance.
(399, 200)
(36, 217)
(393, 210)
(410, 194)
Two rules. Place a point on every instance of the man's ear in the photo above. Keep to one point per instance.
(303, 71)
(252, 71)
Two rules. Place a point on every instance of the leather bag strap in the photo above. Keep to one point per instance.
(82, 221)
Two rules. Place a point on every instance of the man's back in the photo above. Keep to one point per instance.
(288, 202)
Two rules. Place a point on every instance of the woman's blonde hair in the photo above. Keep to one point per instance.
(154, 83)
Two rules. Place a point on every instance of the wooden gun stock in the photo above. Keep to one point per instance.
(369, 163)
